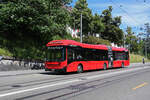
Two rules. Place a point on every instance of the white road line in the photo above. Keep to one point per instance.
(46, 86)
(71, 81)
(116, 73)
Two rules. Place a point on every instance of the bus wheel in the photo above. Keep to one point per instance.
(80, 69)
(105, 66)
(122, 65)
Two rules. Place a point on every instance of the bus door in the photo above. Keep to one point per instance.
(110, 57)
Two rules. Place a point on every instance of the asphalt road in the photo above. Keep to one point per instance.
(131, 83)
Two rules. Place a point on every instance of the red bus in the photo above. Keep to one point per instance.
(72, 56)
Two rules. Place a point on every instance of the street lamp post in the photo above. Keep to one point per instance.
(124, 38)
(81, 29)
(145, 48)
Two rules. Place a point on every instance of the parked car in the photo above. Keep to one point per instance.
(38, 66)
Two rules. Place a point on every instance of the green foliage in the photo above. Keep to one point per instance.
(112, 31)
(95, 40)
(81, 6)
(107, 16)
(147, 38)
(104, 25)
(132, 42)
(28, 53)
(96, 25)
(27, 25)
(4, 52)
(148, 56)
(134, 58)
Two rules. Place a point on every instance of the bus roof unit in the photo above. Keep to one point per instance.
(83, 45)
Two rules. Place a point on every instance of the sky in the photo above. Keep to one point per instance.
(135, 13)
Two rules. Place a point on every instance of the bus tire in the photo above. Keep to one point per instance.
(105, 66)
(122, 65)
(79, 68)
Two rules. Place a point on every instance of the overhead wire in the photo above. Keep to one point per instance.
(120, 7)
(145, 4)
(140, 28)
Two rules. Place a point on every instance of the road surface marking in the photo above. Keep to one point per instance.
(116, 73)
(70, 81)
(36, 88)
(139, 86)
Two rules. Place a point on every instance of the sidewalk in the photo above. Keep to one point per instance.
(19, 72)
(139, 64)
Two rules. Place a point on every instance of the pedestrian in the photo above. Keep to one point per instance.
(143, 61)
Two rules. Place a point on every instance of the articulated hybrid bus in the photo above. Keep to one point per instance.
(72, 56)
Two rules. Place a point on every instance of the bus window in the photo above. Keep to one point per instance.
(56, 54)
(71, 55)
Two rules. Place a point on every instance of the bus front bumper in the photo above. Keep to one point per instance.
(56, 70)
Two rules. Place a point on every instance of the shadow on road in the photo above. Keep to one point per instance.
(57, 73)
(71, 73)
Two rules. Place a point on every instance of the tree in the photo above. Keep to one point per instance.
(95, 40)
(112, 31)
(146, 36)
(96, 25)
(129, 35)
(132, 41)
(29, 25)
(81, 6)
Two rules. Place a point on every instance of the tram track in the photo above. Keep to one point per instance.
(85, 87)
(53, 79)
(37, 82)
(80, 89)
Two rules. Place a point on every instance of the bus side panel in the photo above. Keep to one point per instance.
(91, 65)
(72, 67)
(87, 65)
(126, 63)
(117, 63)
(102, 64)
(96, 64)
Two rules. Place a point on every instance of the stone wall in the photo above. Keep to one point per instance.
(6, 65)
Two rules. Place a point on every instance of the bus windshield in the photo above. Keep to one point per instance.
(56, 54)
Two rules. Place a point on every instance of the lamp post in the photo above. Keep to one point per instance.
(124, 40)
(145, 48)
(81, 28)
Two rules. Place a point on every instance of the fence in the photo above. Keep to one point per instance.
(13, 64)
